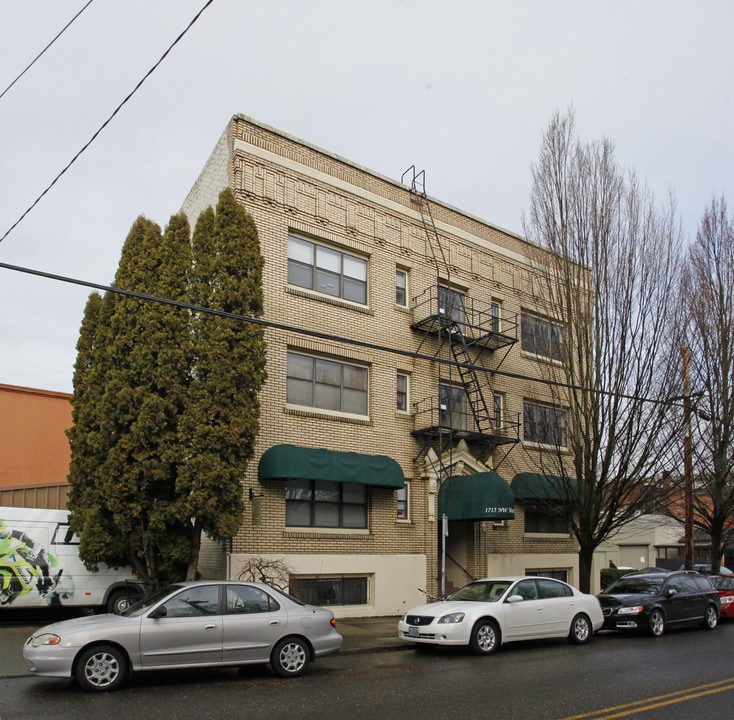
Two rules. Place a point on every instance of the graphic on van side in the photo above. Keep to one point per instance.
(40, 565)
(25, 566)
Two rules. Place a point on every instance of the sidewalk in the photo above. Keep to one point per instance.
(361, 635)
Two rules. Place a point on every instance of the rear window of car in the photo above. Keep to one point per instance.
(702, 583)
(635, 586)
(722, 583)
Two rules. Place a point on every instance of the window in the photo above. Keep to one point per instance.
(542, 337)
(402, 392)
(452, 304)
(326, 384)
(403, 497)
(245, 599)
(401, 288)
(194, 601)
(326, 270)
(555, 574)
(453, 407)
(326, 504)
(544, 424)
(495, 313)
(543, 520)
(330, 590)
(497, 412)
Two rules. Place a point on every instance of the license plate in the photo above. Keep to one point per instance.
(413, 631)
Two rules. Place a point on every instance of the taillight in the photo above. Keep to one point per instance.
(332, 622)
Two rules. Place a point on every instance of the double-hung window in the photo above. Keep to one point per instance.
(327, 270)
(544, 424)
(402, 392)
(326, 384)
(401, 288)
(542, 337)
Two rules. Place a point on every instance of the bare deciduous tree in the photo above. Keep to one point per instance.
(273, 571)
(610, 285)
(708, 328)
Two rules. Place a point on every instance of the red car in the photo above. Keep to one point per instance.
(725, 585)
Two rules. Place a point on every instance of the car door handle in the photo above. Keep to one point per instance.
(275, 622)
(210, 627)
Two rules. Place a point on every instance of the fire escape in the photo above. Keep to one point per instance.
(471, 340)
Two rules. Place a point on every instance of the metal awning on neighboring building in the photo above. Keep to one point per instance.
(482, 496)
(290, 462)
(536, 486)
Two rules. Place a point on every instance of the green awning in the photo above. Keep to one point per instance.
(482, 496)
(536, 486)
(290, 462)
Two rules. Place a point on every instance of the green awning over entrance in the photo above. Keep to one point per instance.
(482, 496)
(536, 486)
(290, 462)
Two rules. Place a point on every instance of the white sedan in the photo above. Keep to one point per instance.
(488, 613)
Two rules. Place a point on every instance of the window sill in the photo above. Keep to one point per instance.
(328, 299)
(332, 415)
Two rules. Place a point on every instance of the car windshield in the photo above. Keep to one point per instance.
(481, 591)
(635, 586)
(149, 601)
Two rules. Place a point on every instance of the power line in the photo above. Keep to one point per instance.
(314, 333)
(38, 57)
(106, 122)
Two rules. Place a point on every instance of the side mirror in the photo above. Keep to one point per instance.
(159, 612)
(671, 592)
(515, 598)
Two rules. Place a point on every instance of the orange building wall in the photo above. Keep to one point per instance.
(34, 449)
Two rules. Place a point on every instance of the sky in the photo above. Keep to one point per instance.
(460, 90)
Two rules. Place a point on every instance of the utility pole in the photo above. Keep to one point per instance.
(687, 461)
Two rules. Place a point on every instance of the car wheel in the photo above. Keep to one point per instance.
(101, 668)
(581, 630)
(711, 618)
(121, 600)
(485, 637)
(290, 657)
(656, 625)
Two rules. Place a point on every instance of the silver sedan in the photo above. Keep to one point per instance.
(187, 625)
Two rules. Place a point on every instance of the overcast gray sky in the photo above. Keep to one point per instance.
(462, 90)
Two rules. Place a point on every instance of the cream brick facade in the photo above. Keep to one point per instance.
(293, 188)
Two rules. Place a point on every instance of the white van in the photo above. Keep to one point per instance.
(40, 566)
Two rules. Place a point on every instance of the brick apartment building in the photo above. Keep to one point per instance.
(404, 349)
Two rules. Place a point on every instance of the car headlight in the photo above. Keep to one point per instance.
(632, 610)
(727, 599)
(45, 639)
(452, 618)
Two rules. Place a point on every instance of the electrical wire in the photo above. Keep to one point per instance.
(315, 333)
(38, 57)
(106, 122)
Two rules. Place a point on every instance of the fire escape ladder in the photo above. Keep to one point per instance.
(472, 386)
